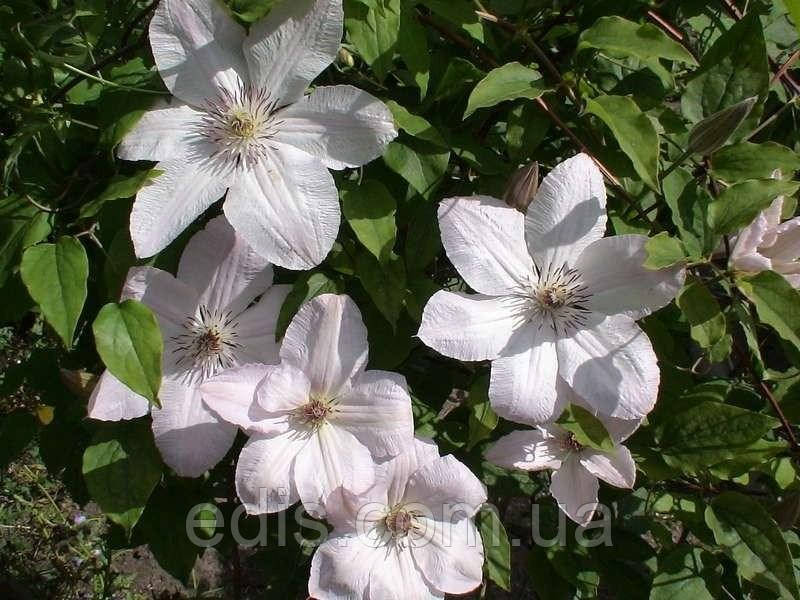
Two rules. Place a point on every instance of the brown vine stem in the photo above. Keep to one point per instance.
(787, 427)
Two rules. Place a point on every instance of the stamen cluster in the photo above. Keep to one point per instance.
(209, 341)
(560, 299)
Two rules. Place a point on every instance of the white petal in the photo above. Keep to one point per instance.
(745, 255)
(283, 389)
(197, 47)
(164, 132)
(327, 340)
(452, 561)
(256, 327)
(575, 491)
(615, 467)
(612, 268)
(377, 410)
(112, 400)
(231, 395)
(226, 272)
(567, 214)
(292, 45)
(445, 483)
(341, 568)
(471, 326)
(391, 476)
(786, 248)
(618, 429)
(398, 578)
(529, 450)
(612, 366)
(332, 458)
(265, 472)
(190, 437)
(341, 125)
(485, 240)
(169, 203)
(522, 386)
(172, 301)
(287, 208)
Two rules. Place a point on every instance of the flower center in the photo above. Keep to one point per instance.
(570, 444)
(400, 522)
(315, 412)
(560, 299)
(240, 124)
(208, 342)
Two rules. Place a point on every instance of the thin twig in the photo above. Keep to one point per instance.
(782, 417)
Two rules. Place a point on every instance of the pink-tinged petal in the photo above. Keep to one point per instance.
(612, 270)
(452, 559)
(166, 205)
(611, 364)
(522, 385)
(226, 272)
(772, 215)
(745, 255)
(112, 400)
(529, 450)
(341, 125)
(283, 389)
(472, 326)
(377, 410)
(333, 458)
(165, 132)
(615, 467)
(327, 340)
(341, 568)
(786, 248)
(398, 578)
(391, 476)
(197, 47)
(292, 45)
(445, 485)
(190, 437)
(618, 429)
(485, 240)
(265, 472)
(255, 332)
(231, 395)
(287, 208)
(172, 301)
(567, 214)
(575, 490)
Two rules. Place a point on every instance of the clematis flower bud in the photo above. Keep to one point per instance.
(522, 187)
(712, 132)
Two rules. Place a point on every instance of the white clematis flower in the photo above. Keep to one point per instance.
(318, 420)
(241, 123)
(207, 323)
(555, 299)
(577, 468)
(767, 244)
(410, 537)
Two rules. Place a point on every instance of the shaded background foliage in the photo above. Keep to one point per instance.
(476, 89)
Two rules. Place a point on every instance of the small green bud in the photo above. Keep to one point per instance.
(522, 187)
(712, 132)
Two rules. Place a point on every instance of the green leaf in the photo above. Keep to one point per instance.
(681, 576)
(373, 30)
(688, 202)
(633, 130)
(307, 286)
(415, 125)
(423, 241)
(509, 82)
(705, 317)
(56, 275)
(496, 547)
(460, 13)
(739, 204)
(370, 210)
(587, 429)
(733, 69)
(119, 187)
(251, 11)
(777, 303)
(129, 341)
(412, 46)
(746, 160)
(707, 433)
(421, 165)
(663, 251)
(482, 419)
(121, 467)
(21, 226)
(384, 282)
(793, 6)
(646, 42)
(752, 539)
